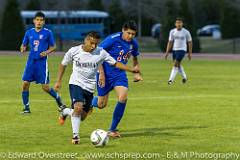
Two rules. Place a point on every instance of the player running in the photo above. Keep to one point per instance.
(120, 46)
(41, 44)
(86, 59)
(178, 40)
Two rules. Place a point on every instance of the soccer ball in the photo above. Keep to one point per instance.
(99, 138)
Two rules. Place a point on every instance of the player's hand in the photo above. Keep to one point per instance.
(23, 49)
(43, 54)
(57, 86)
(166, 56)
(101, 81)
(137, 77)
(189, 56)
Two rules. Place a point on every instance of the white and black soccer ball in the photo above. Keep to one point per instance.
(99, 138)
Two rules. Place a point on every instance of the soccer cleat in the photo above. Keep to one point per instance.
(76, 140)
(184, 80)
(62, 117)
(114, 134)
(26, 111)
(169, 82)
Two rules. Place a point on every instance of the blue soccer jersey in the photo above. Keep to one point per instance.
(120, 50)
(37, 67)
(38, 42)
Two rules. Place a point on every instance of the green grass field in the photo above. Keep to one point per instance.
(201, 116)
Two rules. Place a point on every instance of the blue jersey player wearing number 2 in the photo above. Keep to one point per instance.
(120, 46)
(41, 43)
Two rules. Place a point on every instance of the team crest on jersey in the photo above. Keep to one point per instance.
(40, 36)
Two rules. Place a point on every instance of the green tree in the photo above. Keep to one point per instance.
(33, 5)
(167, 23)
(12, 28)
(95, 5)
(230, 21)
(185, 13)
(117, 15)
(206, 12)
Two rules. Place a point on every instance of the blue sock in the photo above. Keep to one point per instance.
(25, 99)
(56, 96)
(117, 115)
(95, 101)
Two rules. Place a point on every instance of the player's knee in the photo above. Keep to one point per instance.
(78, 108)
(177, 64)
(25, 86)
(122, 99)
(102, 104)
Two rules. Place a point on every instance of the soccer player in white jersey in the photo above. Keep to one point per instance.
(86, 59)
(179, 39)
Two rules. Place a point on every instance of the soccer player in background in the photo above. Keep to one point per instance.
(179, 39)
(41, 42)
(120, 46)
(86, 59)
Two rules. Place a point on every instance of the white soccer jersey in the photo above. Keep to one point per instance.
(85, 66)
(180, 39)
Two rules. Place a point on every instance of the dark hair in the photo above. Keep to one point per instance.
(179, 19)
(130, 25)
(40, 14)
(93, 34)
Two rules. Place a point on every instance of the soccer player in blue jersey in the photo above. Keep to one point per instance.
(41, 42)
(120, 46)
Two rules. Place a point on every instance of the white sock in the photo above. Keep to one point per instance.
(68, 111)
(173, 73)
(75, 124)
(182, 72)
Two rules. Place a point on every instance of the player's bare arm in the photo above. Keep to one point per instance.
(190, 50)
(126, 68)
(137, 76)
(101, 81)
(169, 47)
(47, 52)
(61, 70)
(23, 48)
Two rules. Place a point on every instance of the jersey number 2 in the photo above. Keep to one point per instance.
(36, 44)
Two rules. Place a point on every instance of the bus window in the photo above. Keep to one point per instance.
(62, 21)
(78, 20)
(74, 20)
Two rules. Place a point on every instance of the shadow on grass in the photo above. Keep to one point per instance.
(167, 131)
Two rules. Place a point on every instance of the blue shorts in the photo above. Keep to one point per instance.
(178, 55)
(110, 83)
(78, 94)
(36, 70)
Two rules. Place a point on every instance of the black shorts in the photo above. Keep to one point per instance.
(178, 55)
(78, 94)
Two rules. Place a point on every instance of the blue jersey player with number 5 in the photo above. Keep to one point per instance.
(121, 46)
(41, 43)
